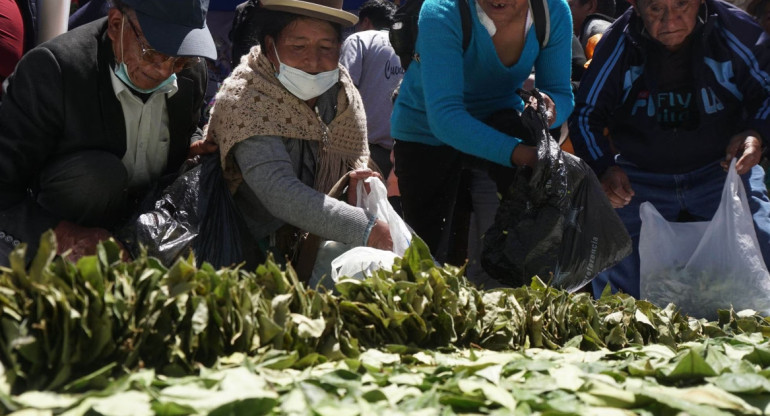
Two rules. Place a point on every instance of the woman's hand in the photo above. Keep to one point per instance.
(201, 147)
(550, 109)
(380, 237)
(359, 175)
(550, 106)
(524, 155)
(747, 147)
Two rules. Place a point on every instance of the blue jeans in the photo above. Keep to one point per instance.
(697, 193)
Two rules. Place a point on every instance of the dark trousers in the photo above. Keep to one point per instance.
(381, 157)
(428, 179)
(87, 188)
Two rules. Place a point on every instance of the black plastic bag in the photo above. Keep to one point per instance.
(554, 221)
(195, 212)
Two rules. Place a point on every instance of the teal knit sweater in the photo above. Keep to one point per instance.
(445, 96)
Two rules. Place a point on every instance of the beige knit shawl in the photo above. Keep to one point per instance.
(252, 102)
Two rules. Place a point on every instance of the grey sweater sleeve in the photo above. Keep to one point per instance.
(267, 169)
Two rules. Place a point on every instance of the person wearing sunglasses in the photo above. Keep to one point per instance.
(92, 118)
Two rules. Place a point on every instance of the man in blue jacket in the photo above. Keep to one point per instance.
(676, 89)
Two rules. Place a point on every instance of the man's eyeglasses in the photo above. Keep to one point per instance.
(151, 56)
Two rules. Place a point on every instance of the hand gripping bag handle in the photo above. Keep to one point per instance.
(376, 203)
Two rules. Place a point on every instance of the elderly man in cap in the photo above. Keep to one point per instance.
(94, 116)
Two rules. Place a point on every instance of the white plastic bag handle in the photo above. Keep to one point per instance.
(376, 203)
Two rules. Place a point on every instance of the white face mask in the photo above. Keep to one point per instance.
(303, 85)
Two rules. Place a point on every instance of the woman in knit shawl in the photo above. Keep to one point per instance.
(289, 124)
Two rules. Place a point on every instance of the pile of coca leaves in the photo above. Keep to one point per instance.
(73, 326)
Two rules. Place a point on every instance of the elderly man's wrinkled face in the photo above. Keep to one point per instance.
(146, 67)
(669, 21)
(311, 45)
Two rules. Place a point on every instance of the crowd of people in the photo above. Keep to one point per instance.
(656, 97)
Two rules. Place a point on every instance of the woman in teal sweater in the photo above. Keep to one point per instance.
(448, 92)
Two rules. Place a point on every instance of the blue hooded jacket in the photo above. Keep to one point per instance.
(667, 129)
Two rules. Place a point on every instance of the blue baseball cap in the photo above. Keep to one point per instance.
(175, 27)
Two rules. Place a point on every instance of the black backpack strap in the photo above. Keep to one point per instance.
(465, 18)
(542, 21)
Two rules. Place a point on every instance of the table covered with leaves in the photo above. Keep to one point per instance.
(103, 336)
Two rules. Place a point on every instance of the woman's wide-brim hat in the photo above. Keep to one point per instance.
(330, 10)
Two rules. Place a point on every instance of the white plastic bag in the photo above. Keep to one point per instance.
(376, 202)
(708, 265)
(360, 262)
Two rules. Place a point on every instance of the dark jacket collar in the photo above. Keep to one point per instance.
(113, 119)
